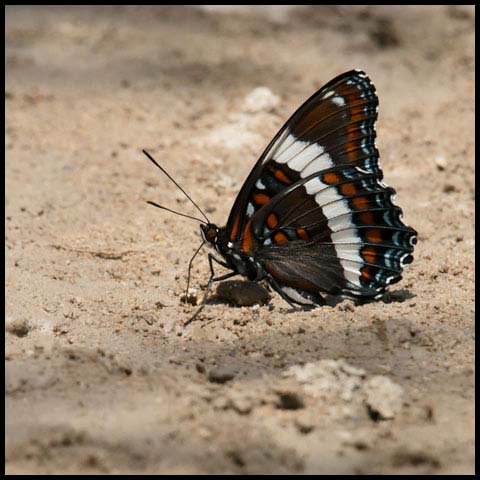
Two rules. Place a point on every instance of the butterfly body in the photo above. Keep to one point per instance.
(236, 259)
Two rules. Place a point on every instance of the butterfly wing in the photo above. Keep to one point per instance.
(335, 125)
(336, 231)
(316, 213)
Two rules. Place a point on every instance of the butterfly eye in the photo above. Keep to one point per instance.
(209, 233)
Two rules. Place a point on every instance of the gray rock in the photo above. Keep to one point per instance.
(17, 326)
(241, 404)
(242, 293)
(383, 397)
(190, 297)
(304, 422)
(221, 374)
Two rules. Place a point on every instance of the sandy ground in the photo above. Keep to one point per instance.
(101, 376)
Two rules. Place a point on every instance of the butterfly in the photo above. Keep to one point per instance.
(314, 216)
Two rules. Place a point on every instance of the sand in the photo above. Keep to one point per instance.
(101, 376)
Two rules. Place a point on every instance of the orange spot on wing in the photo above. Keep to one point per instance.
(367, 218)
(280, 175)
(302, 233)
(280, 237)
(356, 154)
(367, 273)
(369, 254)
(348, 189)
(260, 198)
(272, 220)
(247, 241)
(233, 233)
(356, 114)
(331, 178)
(360, 202)
(374, 235)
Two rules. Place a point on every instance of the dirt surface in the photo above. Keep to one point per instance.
(101, 376)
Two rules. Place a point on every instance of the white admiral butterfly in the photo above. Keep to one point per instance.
(314, 216)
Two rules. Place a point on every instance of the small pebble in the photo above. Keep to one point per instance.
(347, 305)
(406, 456)
(304, 425)
(261, 99)
(241, 405)
(384, 398)
(190, 297)
(221, 374)
(243, 294)
(17, 326)
(288, 400)
(353, 371)
(440, 162)
(449, 188)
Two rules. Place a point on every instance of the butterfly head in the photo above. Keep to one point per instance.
(209, 233)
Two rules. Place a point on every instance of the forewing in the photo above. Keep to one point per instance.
(335, 126)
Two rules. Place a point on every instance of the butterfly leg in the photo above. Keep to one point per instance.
(277, 287)
(190, 269)
(313, 299)
(209, 284)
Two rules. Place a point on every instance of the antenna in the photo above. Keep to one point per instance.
(176, 213)
(179, 187)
